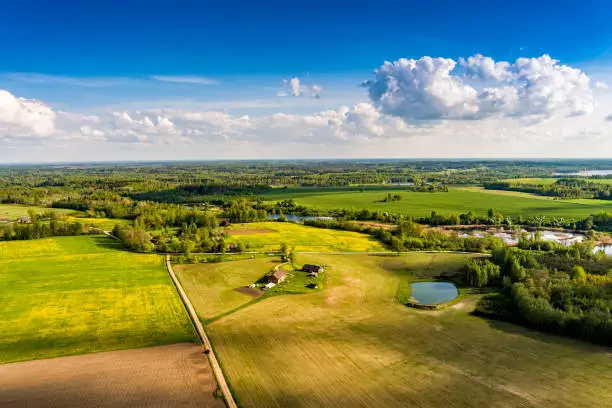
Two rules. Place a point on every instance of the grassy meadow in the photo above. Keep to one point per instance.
(74, 295)
(456, 200)
(270, 235)
(212, 286)
(12, 212)
(354, 345)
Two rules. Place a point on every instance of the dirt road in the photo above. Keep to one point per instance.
(227, 394)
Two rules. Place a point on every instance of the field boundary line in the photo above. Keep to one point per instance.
(214, 363)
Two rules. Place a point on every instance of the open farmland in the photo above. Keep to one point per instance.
(270, 235)
(75, 295)
(12, 212)
(212, 286)
(354, 345)
(176, 375)
(456, 200)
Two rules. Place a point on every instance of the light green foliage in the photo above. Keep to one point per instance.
(353, 345)
(479, 272)
(73, 295)
(578, 274)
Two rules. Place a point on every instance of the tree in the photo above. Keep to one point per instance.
(397, 245)
(480, 272)
(578, 274)
(516, 272)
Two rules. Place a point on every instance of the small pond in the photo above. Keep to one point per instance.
(433, 293)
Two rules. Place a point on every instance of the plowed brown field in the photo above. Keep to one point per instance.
(166, 376)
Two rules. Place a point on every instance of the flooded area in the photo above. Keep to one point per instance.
(298, 218)
(587, 173)
(512, 237)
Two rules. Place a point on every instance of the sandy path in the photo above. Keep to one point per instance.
(214, 363)
(167, 376)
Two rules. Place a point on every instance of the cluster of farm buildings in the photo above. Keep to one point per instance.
(280, 274)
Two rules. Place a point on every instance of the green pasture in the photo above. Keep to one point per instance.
(73, 295)
(354, 345)
(457, 200)
(12, 212)
(212, 286)
(270, 235)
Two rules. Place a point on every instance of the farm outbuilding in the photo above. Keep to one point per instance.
(278, 276)
(313, 269)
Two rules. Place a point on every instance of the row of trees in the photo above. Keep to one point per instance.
(563, 188)
(39, 229)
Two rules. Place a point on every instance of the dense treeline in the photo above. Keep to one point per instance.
(411, 236)
(548, 287)
(563, 188)
(172, 228)
(40, 229)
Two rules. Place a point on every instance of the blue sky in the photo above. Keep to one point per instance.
(167, 59)
(132, 38)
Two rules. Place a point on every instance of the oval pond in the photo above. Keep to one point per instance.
(433, 293)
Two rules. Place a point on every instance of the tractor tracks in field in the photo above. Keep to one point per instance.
(208, 350)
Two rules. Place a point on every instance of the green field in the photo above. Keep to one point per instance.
(212, 286)
(105, 224)
(457, 200)
(270, 235)
(12, 212)
(354, 345)
(74, 295)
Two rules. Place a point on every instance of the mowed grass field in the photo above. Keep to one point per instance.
(456, 200)
(212, 286)
(12, 212)
(270, 235)
(354, 345)
(72, 295)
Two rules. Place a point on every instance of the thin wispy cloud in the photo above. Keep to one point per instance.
(45, 79)
(186, 79)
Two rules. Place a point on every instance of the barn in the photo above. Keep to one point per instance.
(278, 276)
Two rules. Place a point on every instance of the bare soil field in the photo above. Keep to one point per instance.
(253, 292)
(177, 375)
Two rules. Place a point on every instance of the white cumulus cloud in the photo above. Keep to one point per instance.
(296, 87)
(436, 88)
(25, 117)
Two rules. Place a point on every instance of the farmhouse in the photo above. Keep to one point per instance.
(313, 270)
(278, 276)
